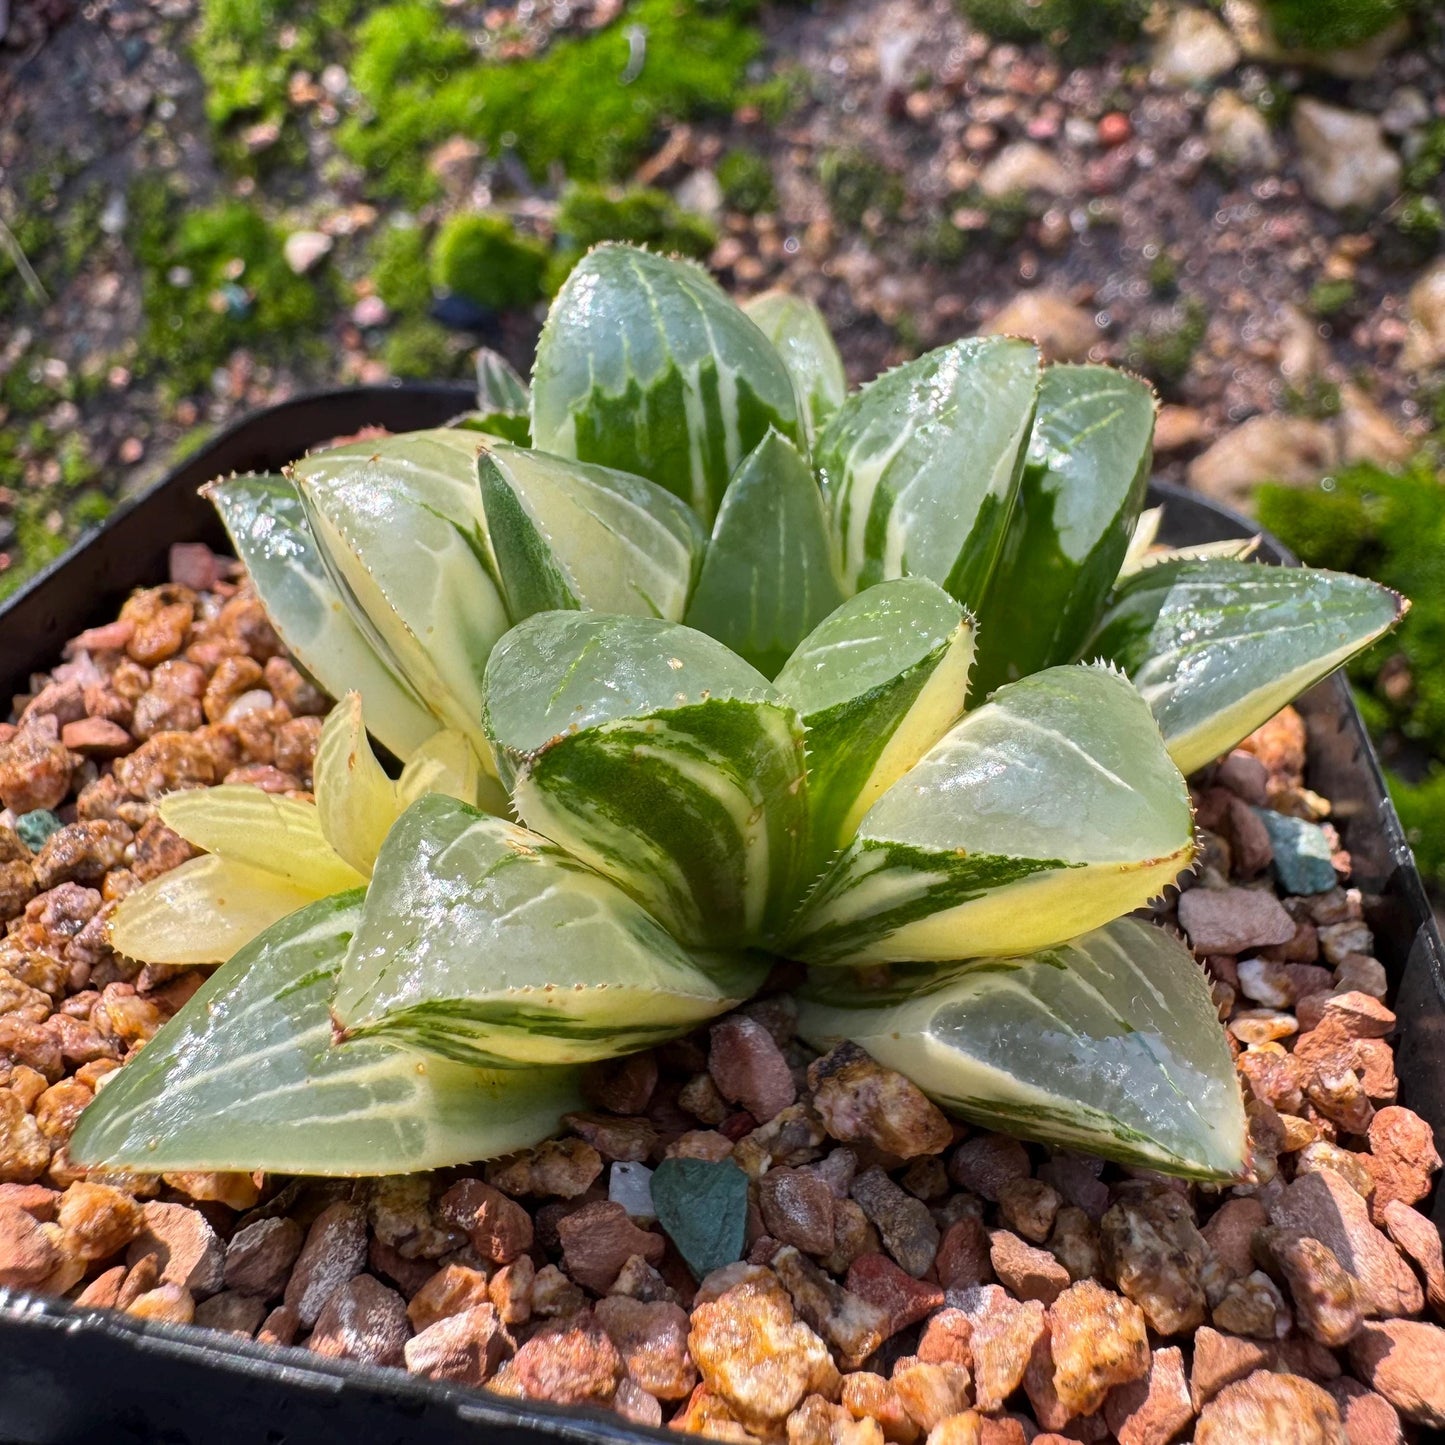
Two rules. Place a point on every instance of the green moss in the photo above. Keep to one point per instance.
(483, 258)
(399, 269)
(88, 510)
(1164, 275)
(592, 103)
(214, 279)
(1421, 806)
(1317, 398)
(1421, 219)
(1164, 349)
(1077, 29)
(940, 241)
(246, 52)
(782, 94)
(1428, 160)
(1390, 527)
(855, 184)
(420, 349)
(1330, 24)
(1329, 298)
(591, 213)
(746, 179)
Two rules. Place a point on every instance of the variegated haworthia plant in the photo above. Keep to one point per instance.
(694, 661)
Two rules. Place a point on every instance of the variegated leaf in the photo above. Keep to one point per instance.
(922, 465)
(770, 575)
(659, 758)
(267, 524)
(645, 365)
(1083, 485)
(801, 337)
(399, 523)
(1217, 647)
(877, 683)
(500, 386)
(573, 969)
(355, 800)
(1108, 1043)
(246, 1077)
(1045, 813)
(203, 911)
(569, 534)
(245, 824)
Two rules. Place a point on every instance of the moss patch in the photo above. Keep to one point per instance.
(1390, 527)
(747, 182)
(591, 213)
(591, 103)
(483, 258)
(214, 279)
(1077, 29)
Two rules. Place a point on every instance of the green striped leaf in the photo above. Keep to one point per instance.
(800, 335)
(266, 521)
(569, 534)
(246, 1077)
(1108, 1043)
(1217, 647)
(573, 969)
(922, 465)
(769, 576)
(399, 523)
(1046, 812)
(1082, 488)
(645, 365)
(877, 683)
(508, 426)
(661, 759)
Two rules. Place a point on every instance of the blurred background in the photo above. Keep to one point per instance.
(207, 205)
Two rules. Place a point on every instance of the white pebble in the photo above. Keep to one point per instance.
(630, 1185)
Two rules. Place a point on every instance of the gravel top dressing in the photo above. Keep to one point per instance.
(737, 1237)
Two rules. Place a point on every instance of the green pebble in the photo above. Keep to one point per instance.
(1301, 853)
(34, 828)
(703, 1208)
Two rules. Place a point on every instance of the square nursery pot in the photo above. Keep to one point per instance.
(69, 1375)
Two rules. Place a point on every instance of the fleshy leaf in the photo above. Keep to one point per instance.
(770, 575)
(1217, 647)
(500, 386)
(204, 911)
(1082, 487)
(355, 800)
(1143, 553)
(509, 426)
(573, 969)
(1108, 1043)
(244, 824)
(645, 365)
(877, 684)
(246, 1077)
(266, 520)
(1046, 812)
(399, 522)
(447, 763)
(569, 534)
(922, 465)
(661, 759)
(801, 337)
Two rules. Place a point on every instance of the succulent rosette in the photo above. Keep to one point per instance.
(693, 662)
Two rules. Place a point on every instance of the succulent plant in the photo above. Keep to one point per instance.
(880, 683)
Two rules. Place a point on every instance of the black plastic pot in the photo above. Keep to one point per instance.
(69, 1375)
